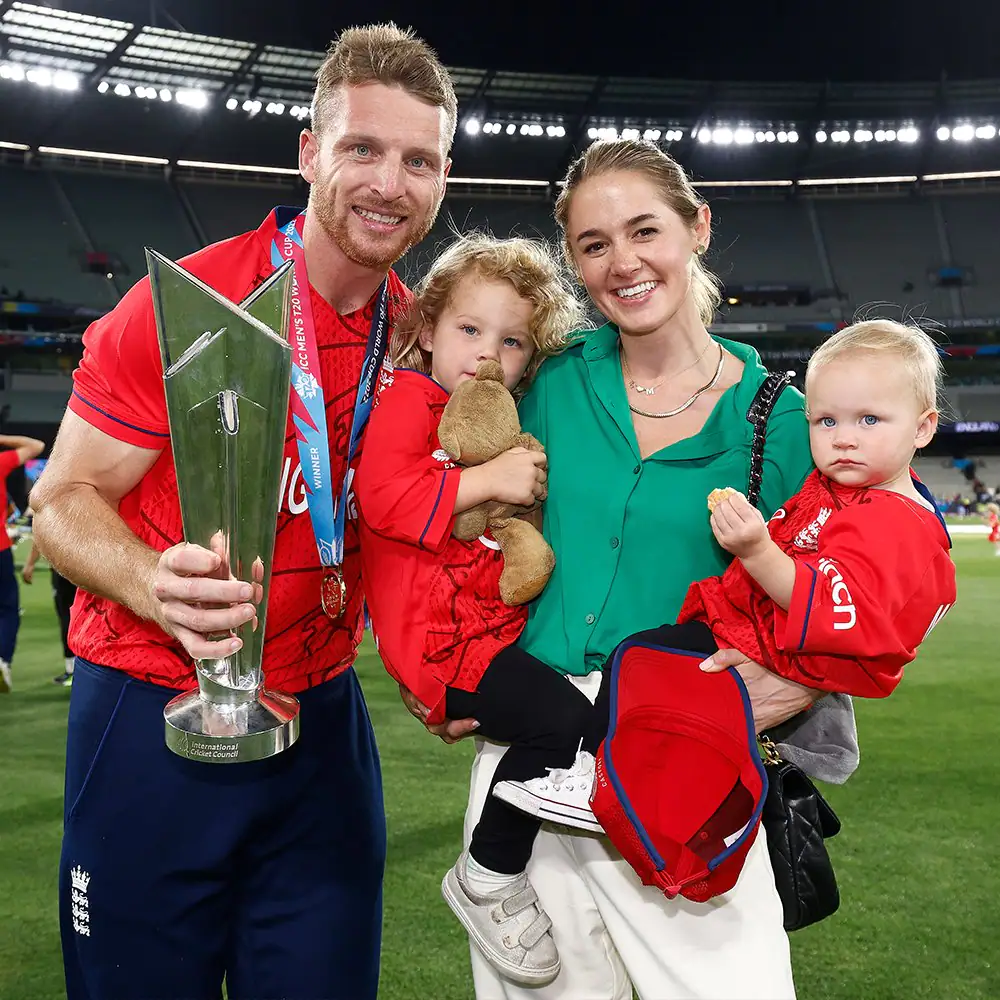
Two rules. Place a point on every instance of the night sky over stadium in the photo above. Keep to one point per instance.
(878, 40)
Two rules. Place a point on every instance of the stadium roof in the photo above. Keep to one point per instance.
(840, 40)
(515, 124)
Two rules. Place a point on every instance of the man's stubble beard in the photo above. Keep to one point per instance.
(337, 227)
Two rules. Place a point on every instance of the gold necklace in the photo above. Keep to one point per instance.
(667, 378)
(688, 402)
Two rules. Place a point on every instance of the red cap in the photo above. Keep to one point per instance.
(680, 785)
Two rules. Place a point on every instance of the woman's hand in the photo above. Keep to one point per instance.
(450, 731)
(772, 697)
(518, 476)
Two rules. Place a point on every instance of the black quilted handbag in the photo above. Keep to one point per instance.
(796, 818)
(798, 821)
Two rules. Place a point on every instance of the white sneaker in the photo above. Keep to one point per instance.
(5, 682)
(508, 926)
(562, 796)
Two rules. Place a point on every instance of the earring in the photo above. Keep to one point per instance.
(700, 249)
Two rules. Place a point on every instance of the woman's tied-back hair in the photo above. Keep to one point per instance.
(910, 344)
(529, 267)
(667, 176)
(383, 53)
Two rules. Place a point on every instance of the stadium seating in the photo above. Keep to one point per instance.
(878, 252)
(941, 477)
(44, 255)
(221, 210)
(972, 223)
(122, 214)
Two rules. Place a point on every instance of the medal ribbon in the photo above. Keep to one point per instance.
(327, 514)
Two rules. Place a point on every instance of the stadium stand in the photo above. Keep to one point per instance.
(808, 233)
(941, 477)
(877, 253)
(972, 222)
(46, 260)
(221, 209)
(121, 214)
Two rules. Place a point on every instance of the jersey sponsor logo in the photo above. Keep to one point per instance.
(938, 615)
(440, 455)
(79, 882)
(293, 494)
(294, 497)
(843, 603)
(808, 537)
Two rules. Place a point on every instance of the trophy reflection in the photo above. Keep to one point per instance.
(226, 371)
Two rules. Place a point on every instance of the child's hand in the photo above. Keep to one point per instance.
(518, 476)
(739, 527)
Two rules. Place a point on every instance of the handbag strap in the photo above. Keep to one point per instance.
(758, 413)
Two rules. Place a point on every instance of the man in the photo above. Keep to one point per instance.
(22, 449)
(63, 596)
(175, 873)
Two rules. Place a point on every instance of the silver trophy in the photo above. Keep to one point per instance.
(226, 371)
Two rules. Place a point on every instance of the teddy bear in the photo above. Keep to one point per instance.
(480, 422)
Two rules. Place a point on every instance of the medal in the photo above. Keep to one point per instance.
(333, 593)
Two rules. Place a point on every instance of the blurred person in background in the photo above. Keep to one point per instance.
(63, 595)
(19, 451)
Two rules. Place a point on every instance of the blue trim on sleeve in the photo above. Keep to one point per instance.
(437, 503)
(809, 604)
(131, 427)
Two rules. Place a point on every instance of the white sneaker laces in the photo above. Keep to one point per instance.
(583, 768)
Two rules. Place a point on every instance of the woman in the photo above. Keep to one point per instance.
(641, 420)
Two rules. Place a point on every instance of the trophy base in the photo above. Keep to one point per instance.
(231, 734)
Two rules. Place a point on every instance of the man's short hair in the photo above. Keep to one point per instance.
(386, 54)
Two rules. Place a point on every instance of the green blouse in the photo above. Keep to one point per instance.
(629, 534)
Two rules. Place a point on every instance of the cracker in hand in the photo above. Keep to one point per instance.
(717, 496)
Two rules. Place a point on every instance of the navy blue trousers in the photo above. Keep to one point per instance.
(177, 873)
(10, 606)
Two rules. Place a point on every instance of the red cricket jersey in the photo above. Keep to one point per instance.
(872, 578)
(8, 463)
(434, 601)
(118, 388)
(994, 528)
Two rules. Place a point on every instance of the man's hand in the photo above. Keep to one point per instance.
(451, 730)
(28, 572)
(772, 697)
(199, 603)
(739, 527)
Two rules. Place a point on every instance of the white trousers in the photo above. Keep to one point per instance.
(613, 933)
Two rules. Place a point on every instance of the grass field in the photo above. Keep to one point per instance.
(917, 859)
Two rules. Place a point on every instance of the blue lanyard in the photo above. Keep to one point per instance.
(308, 403)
